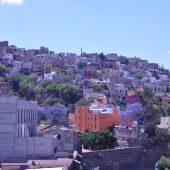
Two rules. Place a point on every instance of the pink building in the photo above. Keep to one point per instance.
(132, 99)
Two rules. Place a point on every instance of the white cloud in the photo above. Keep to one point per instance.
(12, 2)
(168, 52)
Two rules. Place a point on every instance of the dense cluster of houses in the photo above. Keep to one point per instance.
(104, 76)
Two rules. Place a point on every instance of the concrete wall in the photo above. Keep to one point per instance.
(68, 141)
(17, 119)
(40, 146)
(10, 144)
(134, 158)
(113, 159)
(124, 133)
(7, 127)
(31, 147)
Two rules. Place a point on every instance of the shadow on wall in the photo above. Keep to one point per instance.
(134, 158)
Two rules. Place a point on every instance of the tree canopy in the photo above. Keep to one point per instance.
(57, 114)
(81, 64)
(163, 163)
(24, 85)
(123, 60)
(134, 112)
(2, 70)
(153, 105)
(25, 71)
(98, 140)
(70, 93)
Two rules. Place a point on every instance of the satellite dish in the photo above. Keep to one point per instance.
(75, 154)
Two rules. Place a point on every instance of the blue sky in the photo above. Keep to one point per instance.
(129, 27)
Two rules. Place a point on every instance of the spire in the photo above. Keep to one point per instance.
(81, 52)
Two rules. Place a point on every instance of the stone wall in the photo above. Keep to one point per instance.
(134, 158)
(112, 159)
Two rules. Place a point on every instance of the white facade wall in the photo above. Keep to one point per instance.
(11, 129)
(48, 76)
(165, 122)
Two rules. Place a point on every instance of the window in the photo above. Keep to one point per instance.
(24, 115)
(18, 116)
(55, 149)
(28, 115)
(18, 133)
(21, 116)
(58, 137)
(31, 115)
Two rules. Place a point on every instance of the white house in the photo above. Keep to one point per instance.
(10, 58)
(49, 76)
(16, 67)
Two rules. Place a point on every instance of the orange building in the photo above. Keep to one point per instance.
(95, 119)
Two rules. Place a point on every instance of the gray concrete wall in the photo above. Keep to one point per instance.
(40, 146)
(134, 158)
(21, 145)
(10, 144)
(7, 127)
(16, 119)
(69, 141)
(112, 159)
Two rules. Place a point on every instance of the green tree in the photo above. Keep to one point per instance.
(166, 108)
(24, 85)
(15, 81)
(25, 71)
(153, 106)
(138, 76)
(82, 64)
(82, 102)
(53, 89)
(42, 86)
(69, 93)
(96, 86)
(99, 140)
(70, 108)
(27, 88)
(47, 92)
(45, 83)
(123, 60)
(162, 163)
(2, 70)
(47, 68)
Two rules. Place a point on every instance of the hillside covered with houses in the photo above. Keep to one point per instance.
(69, 79)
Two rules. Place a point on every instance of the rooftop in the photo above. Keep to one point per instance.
(56, 164)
